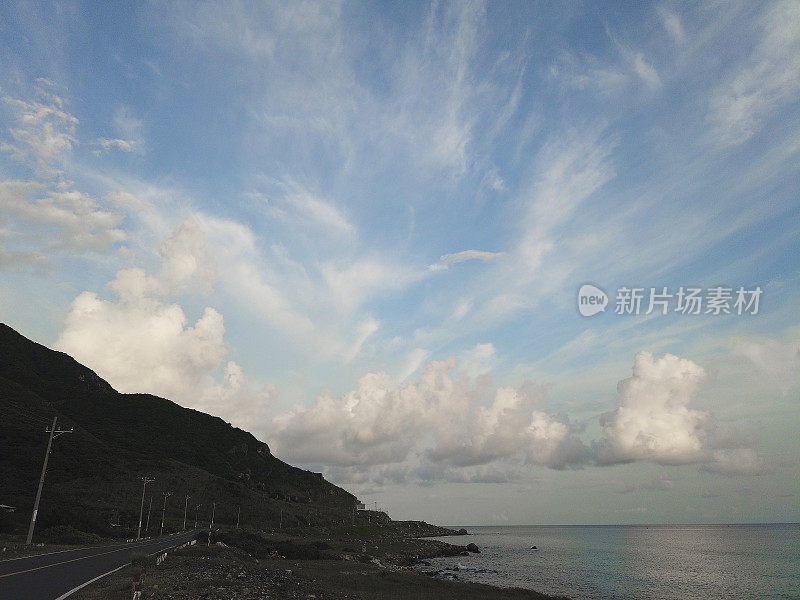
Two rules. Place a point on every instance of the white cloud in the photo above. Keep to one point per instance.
(413, 361)
(380, 422)
(653, 420)
(43, 132)
(481, 255)
(646, 71)
(143, 343)
(478, 360)
(236, 398)
(737, 462)
(509, 426)
(569, 170)
(183, 262)
(586, 73)
(672, 24)
(296, 204)
(321, 212)
(358, 281)
(436, 84)
(318, 308)
(364, 331)
(107, 144)
(67, 219)
(20, 261)
(777, 360)
(770, 79)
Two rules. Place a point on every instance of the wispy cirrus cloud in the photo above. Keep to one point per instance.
(768, 81)
(481, 255)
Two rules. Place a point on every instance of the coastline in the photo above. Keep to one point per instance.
(335, 564)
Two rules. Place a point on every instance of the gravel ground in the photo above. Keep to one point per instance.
(224, 573)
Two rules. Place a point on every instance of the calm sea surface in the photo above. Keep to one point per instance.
(648, 562)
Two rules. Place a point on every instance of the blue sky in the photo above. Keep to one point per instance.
(358, 230)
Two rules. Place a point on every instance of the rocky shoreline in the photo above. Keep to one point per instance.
(344, 564)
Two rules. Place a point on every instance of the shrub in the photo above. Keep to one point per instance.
(65, 534)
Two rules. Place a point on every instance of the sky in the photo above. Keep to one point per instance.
(478, 263)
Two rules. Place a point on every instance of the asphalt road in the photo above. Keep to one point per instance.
(51, 576)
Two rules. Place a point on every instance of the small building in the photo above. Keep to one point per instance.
(360, 506)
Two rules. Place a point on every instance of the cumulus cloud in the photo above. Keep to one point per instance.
(653, 420)
(511, 425)
(143, 342)
(184, 262)
(236, 397)
(442, 415)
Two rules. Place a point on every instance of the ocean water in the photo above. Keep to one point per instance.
(641, 562)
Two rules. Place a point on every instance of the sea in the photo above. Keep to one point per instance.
(635, 562)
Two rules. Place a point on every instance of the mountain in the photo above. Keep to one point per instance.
(94, 479)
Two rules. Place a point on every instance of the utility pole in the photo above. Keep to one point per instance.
(145, 481)
(280, 523)
(185, 506)
(149, 508)
(238, 514)
(53, 432)
(211, 523)
(163, 509)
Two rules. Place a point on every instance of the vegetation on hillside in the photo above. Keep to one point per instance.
(94, 475)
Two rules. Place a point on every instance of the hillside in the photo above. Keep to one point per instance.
(94, 475)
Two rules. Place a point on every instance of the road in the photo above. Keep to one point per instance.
(54, 576)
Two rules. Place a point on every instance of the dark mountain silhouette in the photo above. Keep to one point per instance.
(94, 476)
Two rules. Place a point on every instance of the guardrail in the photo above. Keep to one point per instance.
(138, 577)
